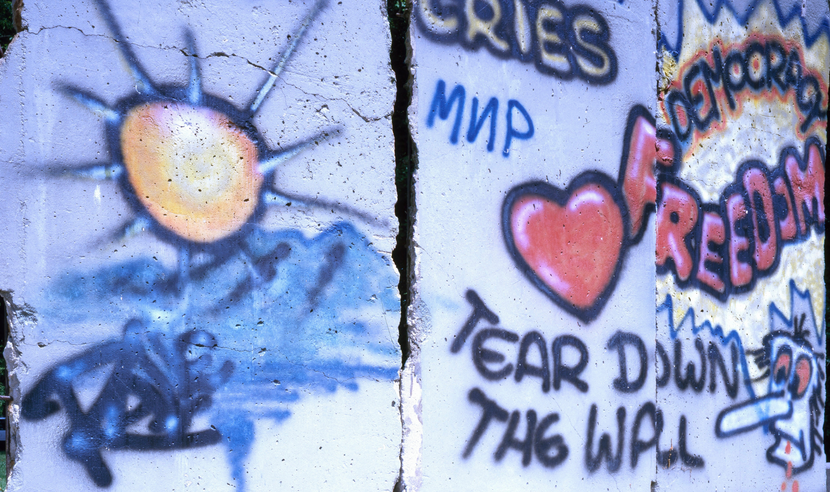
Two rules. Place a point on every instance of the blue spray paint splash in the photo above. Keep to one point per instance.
(286, 315)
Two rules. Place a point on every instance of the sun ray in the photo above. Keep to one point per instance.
(275, 73)
(143, 83)
(271, 162)
(271, 197)
(92, 103)
(134, 228)
(97, 172)
(274, 197)
(194, 87)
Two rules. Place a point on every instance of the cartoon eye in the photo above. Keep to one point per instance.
(801, 378)
(781, 370)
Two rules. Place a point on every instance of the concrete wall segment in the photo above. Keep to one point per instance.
(776, 301)
(282, 324)
(691, 392)
(460, 247)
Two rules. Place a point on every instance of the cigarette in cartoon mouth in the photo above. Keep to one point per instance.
(753, 413)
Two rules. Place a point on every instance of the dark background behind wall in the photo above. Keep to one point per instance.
(7, 30)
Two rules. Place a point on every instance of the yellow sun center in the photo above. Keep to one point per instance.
(192, 168)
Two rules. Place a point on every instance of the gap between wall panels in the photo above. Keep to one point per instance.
(826, 310)
(398, 14)
(405, 164)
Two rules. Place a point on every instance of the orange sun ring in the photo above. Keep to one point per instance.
(193, 169)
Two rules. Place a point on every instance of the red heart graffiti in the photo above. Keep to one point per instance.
(569, 243)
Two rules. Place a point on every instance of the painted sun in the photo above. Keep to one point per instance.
(196, 170)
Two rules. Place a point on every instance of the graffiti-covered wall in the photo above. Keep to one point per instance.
(740, 286)
(619, 245)
(615, 245)
(198, 226)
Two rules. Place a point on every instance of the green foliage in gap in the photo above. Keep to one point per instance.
(6, 25)
(398, 15)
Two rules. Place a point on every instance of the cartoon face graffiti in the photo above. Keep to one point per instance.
(794, 375)
(792, 407)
